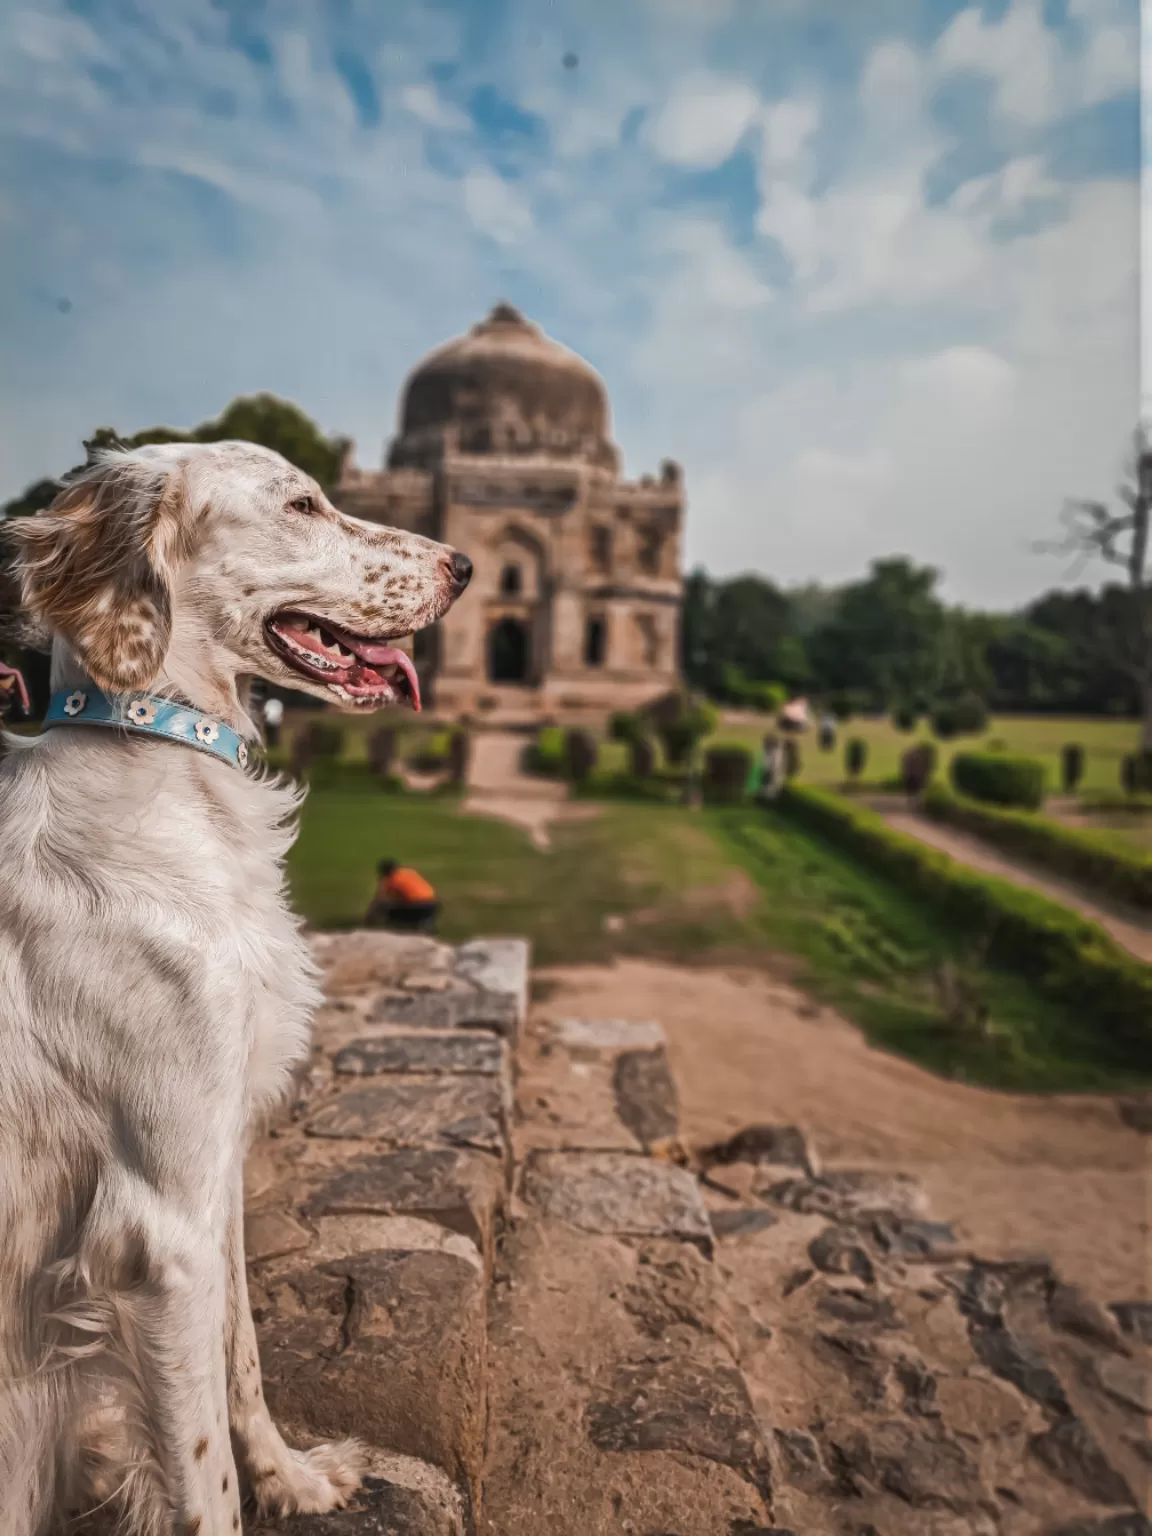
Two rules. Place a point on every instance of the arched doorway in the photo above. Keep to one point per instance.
(509, 652)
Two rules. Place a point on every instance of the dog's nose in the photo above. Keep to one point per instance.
(461, 568)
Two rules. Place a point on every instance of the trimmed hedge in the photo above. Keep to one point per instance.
(1068, 850)
(726, 771)
(1066, 956)
(999, 779)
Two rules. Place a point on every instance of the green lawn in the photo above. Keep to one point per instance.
(739, 886)
(1106, 743)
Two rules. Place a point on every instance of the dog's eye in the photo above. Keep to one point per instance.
(302, 504)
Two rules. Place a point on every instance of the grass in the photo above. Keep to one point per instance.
(1106, 743)
(725, 885)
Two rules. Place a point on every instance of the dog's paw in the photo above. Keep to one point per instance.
(311, 1482)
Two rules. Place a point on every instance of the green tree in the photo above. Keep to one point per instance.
(263, 419)
(889, 635)
(1123, 633)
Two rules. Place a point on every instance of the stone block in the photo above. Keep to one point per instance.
(458, 1008)
(460, 1112)
(498, 967)
(615, 1193)
(459, 1190)
(388, 1346)
(610, 1035)
(742, 1221)
(684, 1406)
(646, 1096)
(471, 1053)
(848, 1194)
(380, 1508)
(272, 1235)
(1069, 1452)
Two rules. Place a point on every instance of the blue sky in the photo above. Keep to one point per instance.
(869, 272)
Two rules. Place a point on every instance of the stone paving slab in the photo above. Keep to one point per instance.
(387, 1345)
(460, 1112)
(472, 1053)
(615, 1193)
(461, 1190)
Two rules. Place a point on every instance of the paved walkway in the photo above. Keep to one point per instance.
(498, 786)
(1128, 927)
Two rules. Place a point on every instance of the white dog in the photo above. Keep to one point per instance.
(154, 988)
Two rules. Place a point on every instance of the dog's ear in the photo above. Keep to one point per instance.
(96, 567)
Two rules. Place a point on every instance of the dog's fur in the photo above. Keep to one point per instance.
(154, 988)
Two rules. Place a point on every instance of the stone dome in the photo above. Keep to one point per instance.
(504, 389)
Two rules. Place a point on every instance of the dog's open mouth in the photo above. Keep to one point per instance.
(364, 671)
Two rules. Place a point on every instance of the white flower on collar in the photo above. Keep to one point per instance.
(75, 702)
(140, 712)
(207, 731)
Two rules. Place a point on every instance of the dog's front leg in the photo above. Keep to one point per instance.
(179, 1345)
(283, 1481)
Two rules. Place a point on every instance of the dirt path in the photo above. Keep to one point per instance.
(1061, 1176)
(498, 786)
(1124, 926)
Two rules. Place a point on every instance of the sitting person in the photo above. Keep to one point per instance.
(403, 899)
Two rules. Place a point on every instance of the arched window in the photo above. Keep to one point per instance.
(595, 637)
(511, 581)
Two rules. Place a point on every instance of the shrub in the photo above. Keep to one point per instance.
(626, 726)
(726, 772)
(855, 756)
(547, 755)
(943, 721)
(580, 754)
(325, 738)
(641, 758)
(792, 759)
(843, 705)
(917, 766)
(999, 779)
(970, 714)
(1080, 854)
(1136, 773)
(1071, 767)
(905, 717)
(432, 754)
(1066, 956)
(679, 734)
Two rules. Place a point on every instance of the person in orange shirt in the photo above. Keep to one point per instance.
(403, 899)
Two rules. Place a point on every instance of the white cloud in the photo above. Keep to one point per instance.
(495, 208)
(788, 127)
(703, 120)
(424, 102)
(1018, 53)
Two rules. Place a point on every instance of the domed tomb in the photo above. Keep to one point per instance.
(504, 389)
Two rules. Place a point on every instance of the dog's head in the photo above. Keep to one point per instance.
(199, 564)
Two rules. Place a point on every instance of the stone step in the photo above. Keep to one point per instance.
(738, 1340)
(373, 1208)
(615, 1401)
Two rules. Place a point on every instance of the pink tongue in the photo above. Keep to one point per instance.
(387, 656)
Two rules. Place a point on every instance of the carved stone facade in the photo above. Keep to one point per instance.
(504, 451)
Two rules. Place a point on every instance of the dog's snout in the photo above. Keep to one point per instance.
(461, 568)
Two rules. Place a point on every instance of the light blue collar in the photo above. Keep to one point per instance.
(144, 714)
